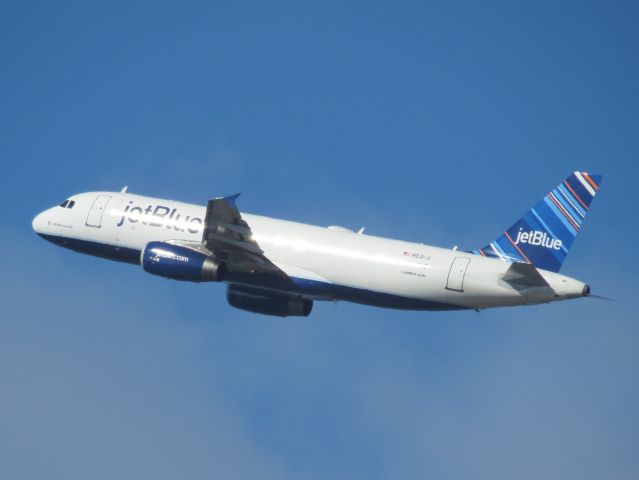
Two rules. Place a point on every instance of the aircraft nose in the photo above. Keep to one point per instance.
(39, 222)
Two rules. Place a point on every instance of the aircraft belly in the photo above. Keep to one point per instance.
(360, 263)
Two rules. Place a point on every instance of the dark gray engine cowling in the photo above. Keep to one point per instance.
(265, 302)
(181, 263)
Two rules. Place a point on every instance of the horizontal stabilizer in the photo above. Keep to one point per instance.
(524, 275)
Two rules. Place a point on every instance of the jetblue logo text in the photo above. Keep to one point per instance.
(538, 239)
(168, 255)
(161, 216)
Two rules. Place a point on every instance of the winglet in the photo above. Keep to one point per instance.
(231, 199)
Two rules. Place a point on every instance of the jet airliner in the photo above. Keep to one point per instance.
(278, 267)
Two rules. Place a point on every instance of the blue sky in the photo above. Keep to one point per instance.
(433, 122)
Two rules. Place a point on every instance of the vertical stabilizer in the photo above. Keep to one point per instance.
(545, 233)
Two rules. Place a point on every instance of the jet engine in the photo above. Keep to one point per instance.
(178, 262)
(268, 303)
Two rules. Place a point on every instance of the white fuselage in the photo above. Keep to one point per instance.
(327, 263)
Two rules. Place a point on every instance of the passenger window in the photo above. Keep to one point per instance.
(64, 204)
(71, 204)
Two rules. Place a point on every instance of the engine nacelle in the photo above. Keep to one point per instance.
(268, 303)
(181, 263)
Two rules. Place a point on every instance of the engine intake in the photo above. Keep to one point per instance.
(181, 263)
(268, 303)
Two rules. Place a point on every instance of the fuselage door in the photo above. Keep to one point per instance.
(457, 273)
(94, 219)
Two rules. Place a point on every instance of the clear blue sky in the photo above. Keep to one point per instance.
(434, 122)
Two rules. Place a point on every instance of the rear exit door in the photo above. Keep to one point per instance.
(457, 273)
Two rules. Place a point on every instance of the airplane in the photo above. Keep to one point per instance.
(279, 267)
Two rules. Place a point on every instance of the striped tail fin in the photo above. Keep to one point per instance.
(545, 233)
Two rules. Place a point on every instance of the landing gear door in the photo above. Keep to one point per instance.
(94, 219)
(457, 273)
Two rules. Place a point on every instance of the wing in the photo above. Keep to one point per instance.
(228, 237)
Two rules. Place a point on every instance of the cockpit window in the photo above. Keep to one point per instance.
(71, 204)
(64, 204)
